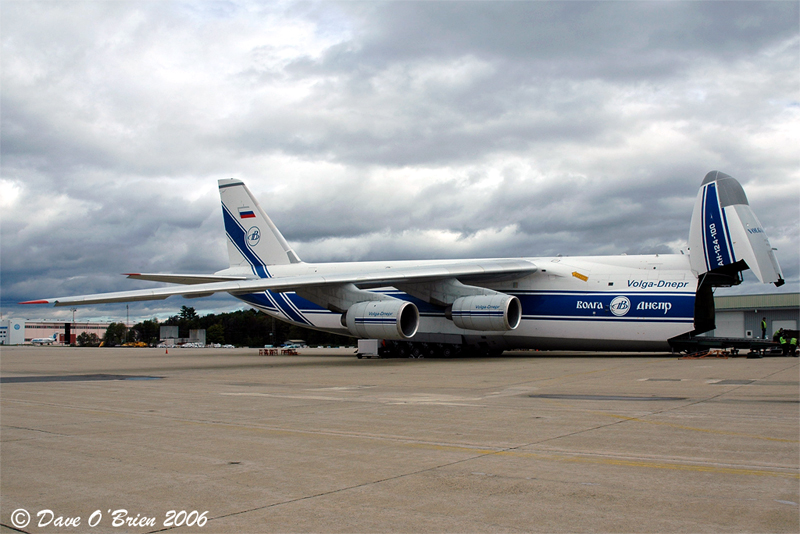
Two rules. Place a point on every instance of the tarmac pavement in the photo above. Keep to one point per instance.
(324, 442)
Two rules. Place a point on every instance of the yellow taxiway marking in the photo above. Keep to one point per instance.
(695, 429)
(675, 425)
(616, 461)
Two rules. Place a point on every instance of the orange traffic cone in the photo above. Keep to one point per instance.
(167, 351)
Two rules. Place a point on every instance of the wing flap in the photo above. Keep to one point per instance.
(385, 277)
(183, 278)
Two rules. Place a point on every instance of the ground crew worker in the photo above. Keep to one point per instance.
(763, 328)
(777, 335)
(793, 346)
(784, 344)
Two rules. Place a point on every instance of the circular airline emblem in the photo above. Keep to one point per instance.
(620, 306)
(16, 326)
(253, 236)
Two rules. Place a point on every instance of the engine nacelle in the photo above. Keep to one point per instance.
(487, 312)
(382, 319)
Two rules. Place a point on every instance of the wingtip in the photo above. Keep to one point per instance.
(35, 302)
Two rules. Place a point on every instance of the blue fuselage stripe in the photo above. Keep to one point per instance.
(644, 307)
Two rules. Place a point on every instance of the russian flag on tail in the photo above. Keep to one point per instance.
(246, 213)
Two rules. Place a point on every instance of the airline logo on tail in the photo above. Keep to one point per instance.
(253, 236)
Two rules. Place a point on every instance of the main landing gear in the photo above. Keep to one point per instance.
(418, 350)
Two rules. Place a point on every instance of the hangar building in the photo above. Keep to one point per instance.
(19, 331)
(740, 315)
(12, 332)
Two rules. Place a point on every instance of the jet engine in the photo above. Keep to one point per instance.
(496, 312)
(382, 319)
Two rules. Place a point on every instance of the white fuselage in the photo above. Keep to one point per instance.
(591, 303)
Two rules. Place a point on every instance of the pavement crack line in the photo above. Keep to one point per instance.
(395, 477)
(32, 430)
(352, 487)
(11, 527)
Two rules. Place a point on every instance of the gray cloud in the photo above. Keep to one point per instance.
(382, 130)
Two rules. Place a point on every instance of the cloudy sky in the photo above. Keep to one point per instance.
(381, 130)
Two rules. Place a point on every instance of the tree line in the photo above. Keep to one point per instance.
(243, 328)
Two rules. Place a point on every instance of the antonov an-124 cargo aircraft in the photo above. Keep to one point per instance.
(632, 303)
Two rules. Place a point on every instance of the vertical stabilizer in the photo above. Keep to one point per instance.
(726, 236)
(254, 242)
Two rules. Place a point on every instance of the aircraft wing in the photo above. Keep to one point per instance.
(389, 276)
(183, 278)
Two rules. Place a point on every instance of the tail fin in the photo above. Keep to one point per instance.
(725, 232)
(254, 242)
